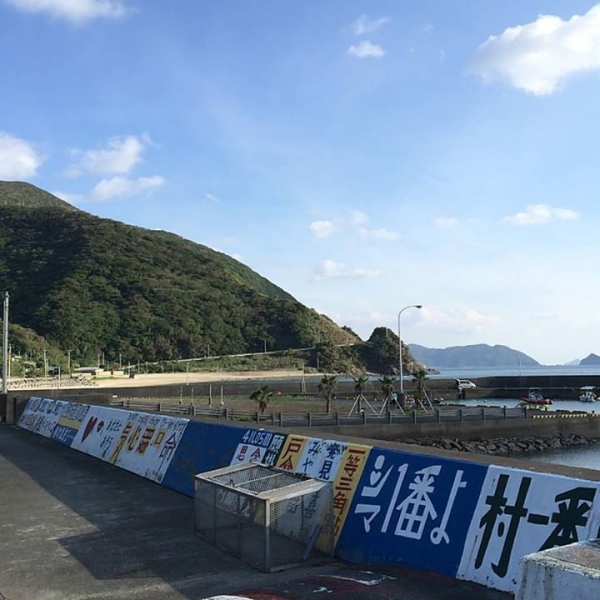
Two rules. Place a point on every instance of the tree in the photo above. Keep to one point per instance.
(387, 385)
(327, 387)
(419, 377)
(359, 384)
(387, 388)
(262, 396)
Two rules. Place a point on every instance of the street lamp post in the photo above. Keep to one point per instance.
(5, 363)
(400, 348)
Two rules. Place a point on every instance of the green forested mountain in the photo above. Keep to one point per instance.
(26, 195)
(91, 285)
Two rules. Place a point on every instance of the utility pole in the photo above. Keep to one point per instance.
(69, 362)
(5, 366)
(45, 363)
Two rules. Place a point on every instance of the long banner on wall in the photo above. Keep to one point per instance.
(461, 518)
(138, 442)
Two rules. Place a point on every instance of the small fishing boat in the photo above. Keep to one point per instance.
(587, 394)
(535, 398)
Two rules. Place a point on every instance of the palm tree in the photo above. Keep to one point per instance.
(262, 396)
(327, 387)
(387, 387)
(359, 384)
(419, 377)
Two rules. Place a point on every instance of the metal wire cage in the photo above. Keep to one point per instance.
(271, 519)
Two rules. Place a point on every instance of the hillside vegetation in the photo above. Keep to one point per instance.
(92, 285)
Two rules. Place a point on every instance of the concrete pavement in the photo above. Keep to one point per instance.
(74, 528)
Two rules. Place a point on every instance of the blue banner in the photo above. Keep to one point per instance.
(411, 510)
(203, 447)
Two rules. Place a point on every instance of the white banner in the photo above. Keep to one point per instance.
(100, 431)
(139, 442)
(41, 415)
(521, 512)
(321, 459)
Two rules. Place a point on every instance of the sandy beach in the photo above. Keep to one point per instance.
(122, 380)
(119, 380)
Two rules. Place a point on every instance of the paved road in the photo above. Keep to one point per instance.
(75, 528)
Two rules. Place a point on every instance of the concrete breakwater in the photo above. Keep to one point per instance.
(507, 445)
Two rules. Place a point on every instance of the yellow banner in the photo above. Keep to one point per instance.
(292, 452)
(346, 482)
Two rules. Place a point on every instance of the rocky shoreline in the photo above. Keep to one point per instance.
(506, 446)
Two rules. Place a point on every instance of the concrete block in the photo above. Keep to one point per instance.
(570, 572)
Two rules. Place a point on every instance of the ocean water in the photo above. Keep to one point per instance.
(474, 372)
(587, 457)
(557, 405)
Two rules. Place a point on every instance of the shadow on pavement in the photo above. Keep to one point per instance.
(74, 527)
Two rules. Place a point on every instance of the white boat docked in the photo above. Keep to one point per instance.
(587, 393)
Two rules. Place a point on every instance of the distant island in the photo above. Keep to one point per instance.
(591, 360)
(476, 355)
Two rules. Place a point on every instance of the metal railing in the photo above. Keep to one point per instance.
(34, 383)
(311, 419)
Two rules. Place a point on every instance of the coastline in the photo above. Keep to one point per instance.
(504, 446)
(153, 379)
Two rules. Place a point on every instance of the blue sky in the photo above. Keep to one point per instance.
(364, 156)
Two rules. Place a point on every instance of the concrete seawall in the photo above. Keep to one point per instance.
(470, 518)
(469, 430)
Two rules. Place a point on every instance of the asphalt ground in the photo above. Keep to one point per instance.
(74, 528)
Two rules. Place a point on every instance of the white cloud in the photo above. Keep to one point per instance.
(358, 217)
(18, 158)
(366, 50)
(538, 56)
(446, 222)
(121, 186)
(211, 198)
(76, 11)
(458, 321)
(378, 234)
(119, 157)
(364, 25)
(322, 229)
(536, 214)
(330, 269)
